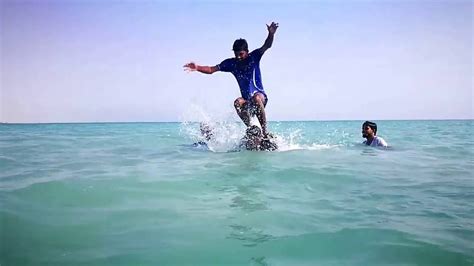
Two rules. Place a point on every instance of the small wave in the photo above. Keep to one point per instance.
(311, 147)
(6, 159)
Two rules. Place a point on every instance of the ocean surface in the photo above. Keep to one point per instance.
(142, 194)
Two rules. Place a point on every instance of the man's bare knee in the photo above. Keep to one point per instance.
(258, 99)
(239, 103)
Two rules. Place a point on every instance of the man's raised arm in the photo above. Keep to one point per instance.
(269, 41)
(203, 69)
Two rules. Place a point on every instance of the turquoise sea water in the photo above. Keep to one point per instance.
(141, 194)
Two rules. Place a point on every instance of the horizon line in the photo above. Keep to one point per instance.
(151, 122)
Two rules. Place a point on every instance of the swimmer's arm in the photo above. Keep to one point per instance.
(203, 69)
(383, 143)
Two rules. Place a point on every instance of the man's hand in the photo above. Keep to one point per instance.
(203, 69)
(190, 66)
(272, 28)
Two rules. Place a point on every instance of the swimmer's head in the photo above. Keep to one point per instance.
(369, 129)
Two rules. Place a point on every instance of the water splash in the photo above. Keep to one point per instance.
(295, 141)
(227, 132)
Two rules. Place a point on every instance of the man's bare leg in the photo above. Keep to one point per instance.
(242, 110)
(258, 101)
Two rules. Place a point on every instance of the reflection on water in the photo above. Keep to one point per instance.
(259, 261)
(245, 197)
(250, 236)
(249, 200)
(247, 204)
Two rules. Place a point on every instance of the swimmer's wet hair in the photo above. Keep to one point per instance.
(372, 125)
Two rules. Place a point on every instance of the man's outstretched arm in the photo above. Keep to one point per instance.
(269, 41)
(203, 69)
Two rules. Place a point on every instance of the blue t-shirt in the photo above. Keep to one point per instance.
(247, 73)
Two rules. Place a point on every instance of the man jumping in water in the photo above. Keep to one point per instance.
(246, 69)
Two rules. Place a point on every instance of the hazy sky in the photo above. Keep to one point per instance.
(78, 61)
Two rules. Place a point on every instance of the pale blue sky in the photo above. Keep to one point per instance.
(91, 61)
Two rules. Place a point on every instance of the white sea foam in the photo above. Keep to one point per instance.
(227, 132)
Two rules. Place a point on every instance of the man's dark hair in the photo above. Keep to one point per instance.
(240, 45)
(372, 125)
